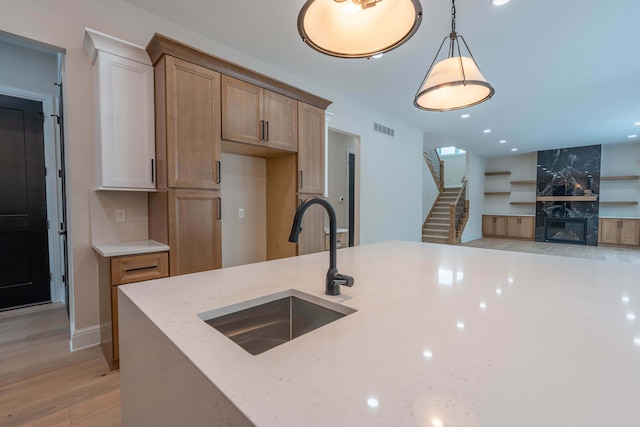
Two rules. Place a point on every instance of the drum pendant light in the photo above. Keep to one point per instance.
(455, 82)
(358, 28)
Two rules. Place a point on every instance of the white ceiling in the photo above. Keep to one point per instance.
(566, 72)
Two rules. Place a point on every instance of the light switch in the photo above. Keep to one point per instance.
(240, 213)
(120, 216)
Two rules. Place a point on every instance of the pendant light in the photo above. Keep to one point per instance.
(358, 28)
(455, 82)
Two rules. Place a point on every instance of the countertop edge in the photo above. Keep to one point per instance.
(113, 249)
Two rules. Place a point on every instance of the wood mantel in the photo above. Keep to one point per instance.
(567, 198)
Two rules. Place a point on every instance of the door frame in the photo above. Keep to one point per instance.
(50, 157)
(356, 190)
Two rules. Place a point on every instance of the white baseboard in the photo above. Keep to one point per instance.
(84, 338)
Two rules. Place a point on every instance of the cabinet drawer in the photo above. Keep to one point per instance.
(136, 268)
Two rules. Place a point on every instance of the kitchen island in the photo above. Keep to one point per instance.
(441, 336)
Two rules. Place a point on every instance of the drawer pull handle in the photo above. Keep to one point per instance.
(150, 267)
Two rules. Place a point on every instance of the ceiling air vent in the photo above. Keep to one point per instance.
(383, 129)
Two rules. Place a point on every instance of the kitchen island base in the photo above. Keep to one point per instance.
(159, 385)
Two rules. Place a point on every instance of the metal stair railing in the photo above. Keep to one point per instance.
(456, 214)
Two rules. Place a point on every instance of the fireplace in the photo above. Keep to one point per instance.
(566, 230)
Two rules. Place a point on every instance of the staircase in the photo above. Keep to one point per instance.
(437, 174)
(437, 227)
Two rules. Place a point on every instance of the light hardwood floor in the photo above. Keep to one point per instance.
(604, 253)
(42, 383)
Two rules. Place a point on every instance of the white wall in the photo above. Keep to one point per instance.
(454, 170)
(391, 168)
(620, 160)
(337, 171)
(475, 194)
(28, 69)
(430, 190)
(105, 229)
(244, 240)
(522, 168)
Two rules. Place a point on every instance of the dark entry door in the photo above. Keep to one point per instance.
(24, 252)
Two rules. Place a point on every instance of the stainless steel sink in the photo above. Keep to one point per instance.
(263, 323)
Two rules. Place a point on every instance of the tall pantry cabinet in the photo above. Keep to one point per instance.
(185, 210)
(205, 106)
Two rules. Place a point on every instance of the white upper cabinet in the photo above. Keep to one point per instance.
(124, 128)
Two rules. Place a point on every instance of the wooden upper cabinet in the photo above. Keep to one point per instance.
(195, 231)
(192, 121)
(311, 138)
(242, 111)
(253, 115)
(281, 121)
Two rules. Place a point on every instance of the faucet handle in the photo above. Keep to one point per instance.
(343, 279)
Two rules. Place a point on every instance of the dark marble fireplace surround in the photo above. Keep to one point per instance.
(568, 187)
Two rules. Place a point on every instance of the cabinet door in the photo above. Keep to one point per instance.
(513, 226)
(242, 111)
(195, 235)
(310, 149)
(630, 232)
(609, 231)
(312, 236)
(488, 225)
(193, 125)
(501, 226)
(527, 227)
(125, 125)
(281, 121)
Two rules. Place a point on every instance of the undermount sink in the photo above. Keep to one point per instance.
(263, 323)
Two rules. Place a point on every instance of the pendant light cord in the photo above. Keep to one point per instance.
(453, 35)
(453, 16)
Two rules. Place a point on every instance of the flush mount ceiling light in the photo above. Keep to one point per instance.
(456, 81)
(358, 28)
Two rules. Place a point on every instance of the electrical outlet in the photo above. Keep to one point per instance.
(240, 213)
(120, 216)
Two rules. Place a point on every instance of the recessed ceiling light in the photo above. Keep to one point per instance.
(465, 116)
(377, 56)
(499, 2)
(637, 123)
(633, 136)
(487, 131)
(514, 149)
(502, 141)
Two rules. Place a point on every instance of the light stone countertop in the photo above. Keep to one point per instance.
(442, 334)
(128, 248)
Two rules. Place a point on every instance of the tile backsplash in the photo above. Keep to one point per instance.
(105, 228)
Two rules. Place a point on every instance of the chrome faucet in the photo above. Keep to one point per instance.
(334, 279)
